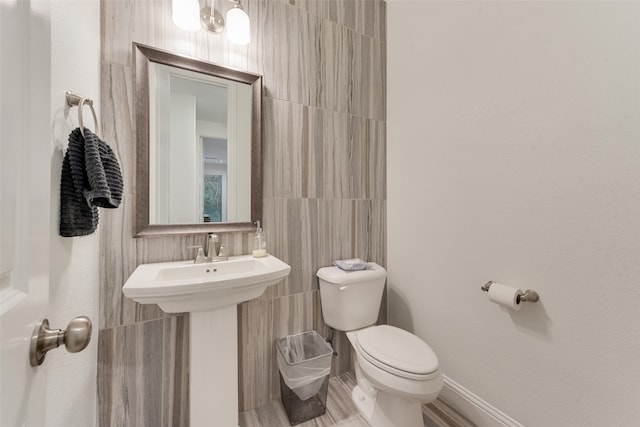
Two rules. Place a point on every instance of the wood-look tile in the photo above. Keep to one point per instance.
(269, 148)
(376, 170)
(363, 16)
(294, 153)
(124, 21)
(324, 156)
(130, 374)
(352, 72)
(342, 412)
(116, 245)
(116, 118)
(378, 90)
(255, 341)
(347, 11)
(369, 230)
(105, 373)
(253, 54)
(381, 27)
(318, 321)
(352, 157)
(321, 421)
(134, 363)
(283, 149)
(300, 243)
(366, 17)
(291, 227)
(336, 155)
(316, 174)
(337, 67)
(341, 229)
(272, 414)
(339, 403)
(249, 419)
(291, 62)
(174, 248)
(292, 314)
(175, 372)
(317, 8)
(116, 264)
(342, 360)
(355, 421)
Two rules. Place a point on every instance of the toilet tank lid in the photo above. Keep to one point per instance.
(341, 277)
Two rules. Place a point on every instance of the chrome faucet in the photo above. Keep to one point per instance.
(215, 254)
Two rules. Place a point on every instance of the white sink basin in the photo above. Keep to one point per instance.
(183, 286)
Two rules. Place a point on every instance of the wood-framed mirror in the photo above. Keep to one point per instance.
(198, 162)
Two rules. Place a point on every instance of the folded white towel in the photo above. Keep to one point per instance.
(350, 264)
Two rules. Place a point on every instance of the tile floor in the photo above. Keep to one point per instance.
(342, 412)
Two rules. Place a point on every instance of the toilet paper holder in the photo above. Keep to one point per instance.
(527, 296)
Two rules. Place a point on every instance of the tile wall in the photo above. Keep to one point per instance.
(323, 63)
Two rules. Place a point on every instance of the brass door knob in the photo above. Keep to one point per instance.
(75, 338)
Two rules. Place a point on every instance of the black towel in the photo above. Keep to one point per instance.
(91, 178)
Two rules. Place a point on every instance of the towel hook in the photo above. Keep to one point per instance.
(74, 100)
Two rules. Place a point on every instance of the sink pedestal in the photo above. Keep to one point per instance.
(213, 374)
(210, 292)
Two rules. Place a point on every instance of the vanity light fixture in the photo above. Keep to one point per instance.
(186, 13)
(211, 19)
(238, 25)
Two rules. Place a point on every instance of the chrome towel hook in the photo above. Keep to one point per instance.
(74, 100)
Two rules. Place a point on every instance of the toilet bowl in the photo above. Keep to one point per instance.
(396, 371)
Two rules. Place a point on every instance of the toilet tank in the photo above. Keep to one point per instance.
(351, 299)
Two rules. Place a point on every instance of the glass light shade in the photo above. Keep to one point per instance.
(238, 26)
(186, 14)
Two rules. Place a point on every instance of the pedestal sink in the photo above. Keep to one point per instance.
(210, 292)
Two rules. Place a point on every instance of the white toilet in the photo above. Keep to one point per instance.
(396, 371)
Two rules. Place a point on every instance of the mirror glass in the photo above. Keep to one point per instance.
(198, 145)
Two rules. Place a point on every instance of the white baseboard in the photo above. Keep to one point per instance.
(475, 409)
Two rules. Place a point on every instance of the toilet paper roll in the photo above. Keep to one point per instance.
(506, 296)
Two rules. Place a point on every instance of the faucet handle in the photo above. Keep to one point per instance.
(200, 257)
(212, 239)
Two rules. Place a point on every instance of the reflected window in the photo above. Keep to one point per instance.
(214, 178)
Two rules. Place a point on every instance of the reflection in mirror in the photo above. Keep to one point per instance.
(198, 145)
(200, 155)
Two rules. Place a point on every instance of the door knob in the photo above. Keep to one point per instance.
(75, 338)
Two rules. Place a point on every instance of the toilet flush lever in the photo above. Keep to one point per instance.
(75, 338)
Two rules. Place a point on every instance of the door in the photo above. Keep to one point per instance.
(25, 186)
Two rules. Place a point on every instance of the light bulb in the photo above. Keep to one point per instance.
(186, 14)
(238, 26)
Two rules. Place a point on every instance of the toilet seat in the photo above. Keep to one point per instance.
(397, 352)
